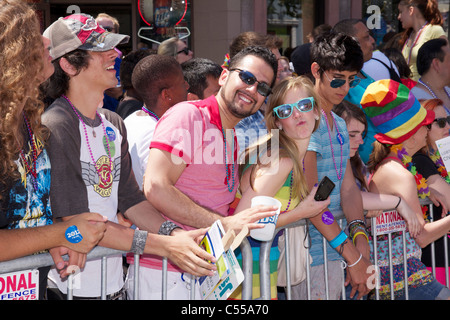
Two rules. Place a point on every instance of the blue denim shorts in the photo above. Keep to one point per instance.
(430, 291)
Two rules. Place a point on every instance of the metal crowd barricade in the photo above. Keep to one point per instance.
(44, 259)
(428, 203)
(433, 253)
(265, 264)
(265, 253)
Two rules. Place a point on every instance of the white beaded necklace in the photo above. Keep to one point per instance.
(434, 94)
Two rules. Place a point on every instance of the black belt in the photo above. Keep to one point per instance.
(112, 296)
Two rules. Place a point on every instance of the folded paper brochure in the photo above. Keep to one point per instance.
(229, 274)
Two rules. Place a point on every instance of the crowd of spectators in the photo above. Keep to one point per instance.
(143, 152)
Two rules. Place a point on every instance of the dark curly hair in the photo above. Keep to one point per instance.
(337, 51)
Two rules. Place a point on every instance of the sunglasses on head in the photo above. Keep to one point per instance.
(337, 83)
(285, 110)
(249, 79)
(441, 122)
(185, 50)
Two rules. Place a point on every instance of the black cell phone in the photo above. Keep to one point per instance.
(324, 189)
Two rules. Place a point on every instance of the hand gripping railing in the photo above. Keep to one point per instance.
(264, 262)
(44, 259)
(247, 269)
(265, 257)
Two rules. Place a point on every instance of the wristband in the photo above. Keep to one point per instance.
(356, 227)
(354, 264)
(336, 242)
(357, 222)
(139, 241)
(167, 227)
(358, 233)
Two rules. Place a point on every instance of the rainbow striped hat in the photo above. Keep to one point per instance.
(394, 111)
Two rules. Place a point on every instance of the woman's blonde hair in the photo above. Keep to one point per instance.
(114, 20)
(287, 146)
(169, 47)
(21, 61)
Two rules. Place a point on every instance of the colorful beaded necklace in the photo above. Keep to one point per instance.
(402, 155)
(290, 191)
(436, 158)
(290, 187)
(414, 42)
(434, 94)
(340, 139)
(227, 170)
(430, 90)
(150, 113)
(88, 144)
(31, 169)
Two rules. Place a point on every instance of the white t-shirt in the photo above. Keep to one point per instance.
(376, 69)
(421, 94)
(83, 182)
(140, 127)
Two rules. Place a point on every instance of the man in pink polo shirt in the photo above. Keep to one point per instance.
(192, 171)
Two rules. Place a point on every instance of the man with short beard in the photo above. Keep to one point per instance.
(192, 171)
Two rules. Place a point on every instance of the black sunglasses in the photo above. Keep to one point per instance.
(442, 121)
(185, 50)
(249, 79)
(107, 28)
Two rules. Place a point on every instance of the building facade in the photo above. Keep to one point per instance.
(210, 25)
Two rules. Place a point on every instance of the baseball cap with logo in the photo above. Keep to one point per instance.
(80, 31)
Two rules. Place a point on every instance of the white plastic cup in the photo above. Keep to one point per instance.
(266, 233)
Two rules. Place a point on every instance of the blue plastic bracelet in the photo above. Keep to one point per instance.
(336, 242)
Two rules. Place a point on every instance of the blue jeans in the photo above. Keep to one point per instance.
(430, 291)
